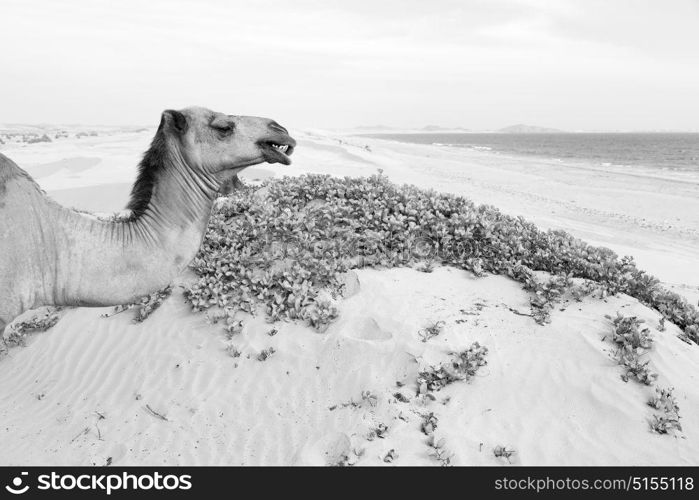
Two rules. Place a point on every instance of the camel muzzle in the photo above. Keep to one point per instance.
(277, 148)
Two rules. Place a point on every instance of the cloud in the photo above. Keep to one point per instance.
(565, 63)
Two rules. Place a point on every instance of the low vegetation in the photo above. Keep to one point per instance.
(462, 366)
(145, 306)
(37, 139)
(38, 323)
(285, 246)
(669, 419)
(266, 354)
(503, 452)
(632, 343)
(431, 331)
(438, 451)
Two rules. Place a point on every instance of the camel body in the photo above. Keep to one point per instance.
(52, 255)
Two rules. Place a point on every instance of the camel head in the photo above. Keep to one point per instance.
(222, 144)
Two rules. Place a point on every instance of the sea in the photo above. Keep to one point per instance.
(664, 152)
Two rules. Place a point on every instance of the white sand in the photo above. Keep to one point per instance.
(551, 393)
(80, 393)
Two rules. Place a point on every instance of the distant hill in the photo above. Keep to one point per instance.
(529, 129)
(437, 128)
(374, 127)
(427, 128)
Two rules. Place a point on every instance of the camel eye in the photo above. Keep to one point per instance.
(227, 129)
(223, 127)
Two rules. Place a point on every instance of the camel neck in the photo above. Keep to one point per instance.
(180, 202)
(117, 262)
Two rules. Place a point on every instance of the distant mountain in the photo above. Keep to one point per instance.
(427, 128)
(374, 127)
(529, 129)
(437, 128)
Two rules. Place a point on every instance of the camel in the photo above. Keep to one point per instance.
(55, 256)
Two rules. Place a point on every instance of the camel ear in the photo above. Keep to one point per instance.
(174, 121)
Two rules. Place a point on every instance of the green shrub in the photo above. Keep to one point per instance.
(431, 331)
(632, 343)
(665, 402)
(265, 354)
(282, 251)
(145, 306)
(438, 450)
(628, 335)
(463, 366)
(663, 424)
(18, 331)
(429, 423)
(503, 452)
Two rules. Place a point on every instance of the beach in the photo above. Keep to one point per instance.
(168, 391)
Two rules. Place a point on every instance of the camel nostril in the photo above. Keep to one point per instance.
(278, 128)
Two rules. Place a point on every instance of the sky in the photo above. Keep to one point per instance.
(479, 64)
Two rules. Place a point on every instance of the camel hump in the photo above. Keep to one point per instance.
(8, 169)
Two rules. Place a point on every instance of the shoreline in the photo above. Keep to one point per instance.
(591, 164)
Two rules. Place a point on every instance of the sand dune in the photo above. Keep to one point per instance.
(99, 390)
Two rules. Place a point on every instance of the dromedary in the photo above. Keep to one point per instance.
(51, 255)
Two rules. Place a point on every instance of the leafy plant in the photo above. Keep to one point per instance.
(431, 331)
(429, 423)
(463, 366)
(636, 368)
(632, 343)
(145, 306)
(390, 456)
(546, 294)
(38, 323)
(663, 424)
(378, 432)
(502, 452)
(401, 397)
(426, 267)
(283, 250)
(233, 351)
(367, 398)
(439, 451)
(265, 354)
(665, 401)
(628, 334)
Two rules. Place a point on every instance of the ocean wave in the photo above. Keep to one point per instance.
(466, 146)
